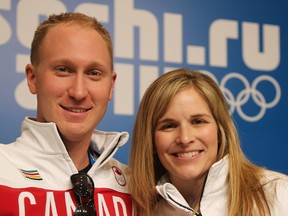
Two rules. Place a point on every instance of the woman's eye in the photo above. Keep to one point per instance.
(167, 126)
(198, 121)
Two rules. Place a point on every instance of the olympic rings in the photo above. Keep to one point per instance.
(236, 102)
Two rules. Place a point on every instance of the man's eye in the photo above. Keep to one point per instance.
(94, 73)
(62, 69)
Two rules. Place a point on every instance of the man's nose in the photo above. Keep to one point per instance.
(78, 89)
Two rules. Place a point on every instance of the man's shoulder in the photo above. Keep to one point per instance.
(117, 163)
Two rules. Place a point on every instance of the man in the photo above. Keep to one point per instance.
(61, 165)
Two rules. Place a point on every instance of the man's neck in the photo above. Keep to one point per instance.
(78, 152)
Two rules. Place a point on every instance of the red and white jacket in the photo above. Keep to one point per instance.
(35, 174)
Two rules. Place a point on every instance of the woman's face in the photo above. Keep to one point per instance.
(186, 137)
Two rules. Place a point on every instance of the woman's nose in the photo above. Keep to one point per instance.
(186, 135)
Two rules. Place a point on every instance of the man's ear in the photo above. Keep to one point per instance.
(114, 76)
(31, 78)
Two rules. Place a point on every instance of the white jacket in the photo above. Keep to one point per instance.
(35, 174)
(214, 200)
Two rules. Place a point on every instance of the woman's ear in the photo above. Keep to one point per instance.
(31, 78)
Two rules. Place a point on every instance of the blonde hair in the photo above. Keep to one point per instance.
(68, 17)
(245, 189)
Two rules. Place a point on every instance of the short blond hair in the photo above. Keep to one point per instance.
(68, 17)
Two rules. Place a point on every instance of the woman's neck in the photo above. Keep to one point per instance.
(191, 190)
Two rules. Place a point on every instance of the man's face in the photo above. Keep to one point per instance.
(73, 80)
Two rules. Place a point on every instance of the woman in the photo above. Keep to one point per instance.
(186, 157)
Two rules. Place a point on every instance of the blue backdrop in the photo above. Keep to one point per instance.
(241, 44)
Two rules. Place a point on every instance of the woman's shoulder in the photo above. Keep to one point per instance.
(275, 185)
(270, 175)
(276, 181)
